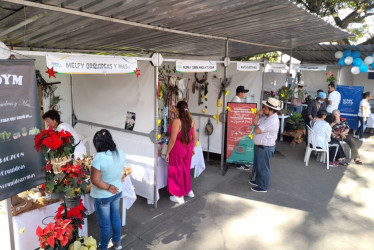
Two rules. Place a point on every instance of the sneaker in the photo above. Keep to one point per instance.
(191, 194)
(356, 136)
(243, 167)
(117, 245)
(177, 199)
(333, 164)
(259, 190)
(253, 183)
(365, 139)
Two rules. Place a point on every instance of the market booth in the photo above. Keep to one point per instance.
(224, 30)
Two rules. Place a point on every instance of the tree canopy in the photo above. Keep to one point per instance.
(357, 12)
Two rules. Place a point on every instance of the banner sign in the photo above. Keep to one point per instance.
(248, 66)
(195, 66)
(20, 164)
(85, 64)
(351, 97)
(309, 67)
(239, 131)
(278, 66)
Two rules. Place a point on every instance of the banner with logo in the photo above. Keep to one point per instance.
(87, 64)
(351, 97)
(195, 66)
(20, 164)
(239, 131)
(248, 66)
(309, 67)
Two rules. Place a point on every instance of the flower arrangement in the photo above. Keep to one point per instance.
(88, 243)
(330, 77)
(54, 144)
(55, 235)
(285, 93)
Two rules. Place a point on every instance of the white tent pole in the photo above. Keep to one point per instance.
(226, 65)
(10, 223)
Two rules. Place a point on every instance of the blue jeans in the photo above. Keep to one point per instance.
(107, 213)
(297, 109)
(361, 130)
(261, 165)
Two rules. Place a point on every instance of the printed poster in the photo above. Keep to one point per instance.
(351, 97)
(20, 164)
(239, 131)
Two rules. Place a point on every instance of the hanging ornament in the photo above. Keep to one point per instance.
(51, 72)
(137, 72)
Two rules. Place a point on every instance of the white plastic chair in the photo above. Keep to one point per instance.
(346, 148)
(312, 147)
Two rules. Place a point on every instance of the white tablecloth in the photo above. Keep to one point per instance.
(370, 123)
(29, 221)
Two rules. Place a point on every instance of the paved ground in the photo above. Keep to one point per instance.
(305, 208)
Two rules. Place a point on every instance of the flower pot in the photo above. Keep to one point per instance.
(71, 202)
(57, 163)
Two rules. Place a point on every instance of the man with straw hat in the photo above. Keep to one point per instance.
(266, 124)
(297, 99)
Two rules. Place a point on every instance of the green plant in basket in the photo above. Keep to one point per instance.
(285, 93)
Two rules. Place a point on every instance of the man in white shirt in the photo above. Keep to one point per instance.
(266, 124)
(240, 94)
(333, 99)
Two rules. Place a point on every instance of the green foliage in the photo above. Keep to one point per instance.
(285, 93)
(296, 120)
(271, 57)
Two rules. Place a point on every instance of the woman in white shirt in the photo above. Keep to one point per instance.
(363, 114)
(53, 120)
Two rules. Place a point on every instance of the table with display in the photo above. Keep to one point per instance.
(25, 224)
(282, 117)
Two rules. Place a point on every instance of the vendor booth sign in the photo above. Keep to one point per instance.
(351, 97)
(309, 67)
(248, 66)
(239, 144)
(195, 66)
(278, 66)
(78, 64)
(20, 164)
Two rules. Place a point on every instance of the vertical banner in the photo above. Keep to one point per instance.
(20, 164)
(239, 143)
(351, 97)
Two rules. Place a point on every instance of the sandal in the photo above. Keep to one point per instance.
(343, 163)
(358, 161)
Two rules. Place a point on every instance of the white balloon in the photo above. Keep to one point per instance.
(368, 60)
(348, 60)
(355, 70)
(338, 54)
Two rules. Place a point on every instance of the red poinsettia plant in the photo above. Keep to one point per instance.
(55, 235)
(75, 214)
(330, 77)
(54, 144)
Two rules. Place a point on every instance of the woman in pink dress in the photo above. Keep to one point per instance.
(183, 137)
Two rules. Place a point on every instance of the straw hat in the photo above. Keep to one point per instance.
(272, 103)
(301, 84)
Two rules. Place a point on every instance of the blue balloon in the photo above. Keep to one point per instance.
(356, 54)
(372, 65)
(357, 62)
(341, 62)
(364, 68)
(347, 52)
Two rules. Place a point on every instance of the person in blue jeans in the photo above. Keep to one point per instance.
(106, 173)
(266, 124)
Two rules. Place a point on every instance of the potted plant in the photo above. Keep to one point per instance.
(284, 94)
(295, 122)
(330, 77)
(84, 243)
(55, 235)
(24, 132)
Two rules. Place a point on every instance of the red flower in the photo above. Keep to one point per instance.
(53, 141)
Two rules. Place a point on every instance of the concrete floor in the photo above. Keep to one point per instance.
(304, 208)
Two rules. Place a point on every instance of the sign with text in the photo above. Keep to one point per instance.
(309, 67)
(82, 64)
(351, 97)
(20, 164)
(239, 131)
(195, 66)
(248, 66)
(278, 66)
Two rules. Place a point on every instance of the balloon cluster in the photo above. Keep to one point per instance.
(349, 57)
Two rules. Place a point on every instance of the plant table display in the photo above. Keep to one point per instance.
(295, 128)
(63, 175)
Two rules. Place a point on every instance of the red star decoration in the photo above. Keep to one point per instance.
(51, 72)
(137, 72)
